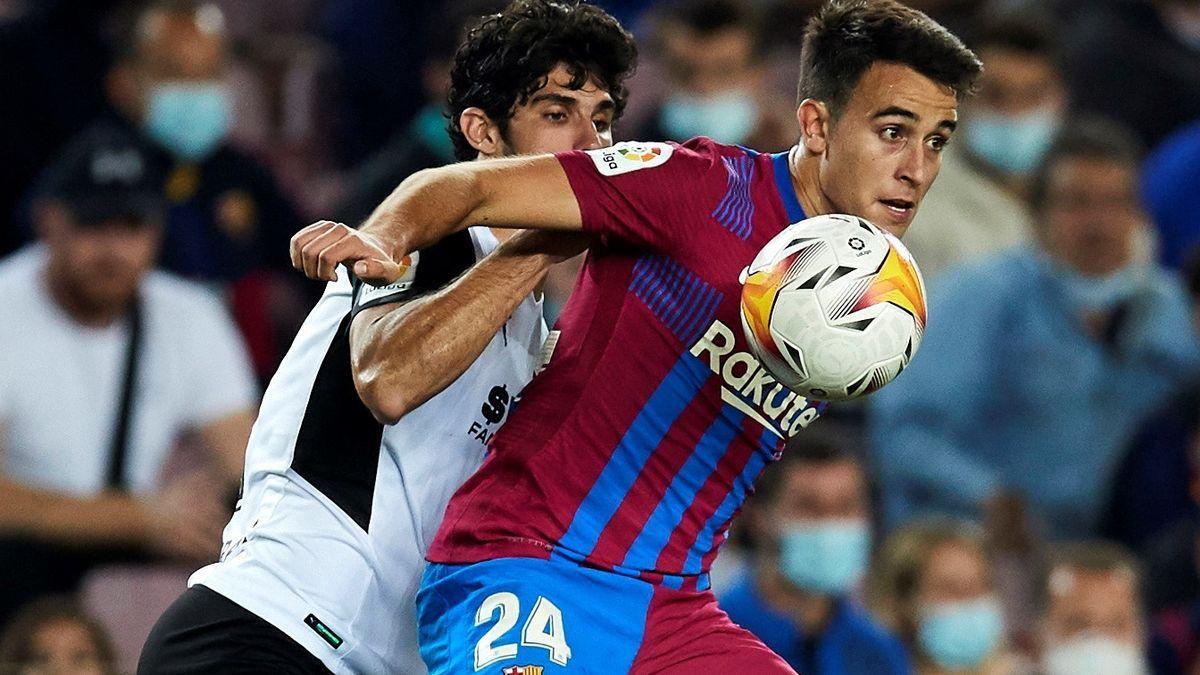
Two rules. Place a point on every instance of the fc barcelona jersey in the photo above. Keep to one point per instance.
(637, 445)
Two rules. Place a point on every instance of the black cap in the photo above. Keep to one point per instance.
(106, 173)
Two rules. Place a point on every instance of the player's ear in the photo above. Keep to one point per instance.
(813, 116)
(481, 132)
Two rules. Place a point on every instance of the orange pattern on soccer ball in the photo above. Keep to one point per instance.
(758, 295)
(899, 283)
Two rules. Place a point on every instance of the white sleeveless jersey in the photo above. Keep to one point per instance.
(329, 539)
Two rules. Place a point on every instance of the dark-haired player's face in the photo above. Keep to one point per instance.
(884, 150)
(557, 118)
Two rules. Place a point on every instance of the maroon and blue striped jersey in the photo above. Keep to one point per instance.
(636, 446)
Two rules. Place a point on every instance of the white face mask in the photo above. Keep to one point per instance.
(1095, 655)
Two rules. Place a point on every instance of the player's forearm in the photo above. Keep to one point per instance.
(518, 192)
(107, 519)
(405, 355)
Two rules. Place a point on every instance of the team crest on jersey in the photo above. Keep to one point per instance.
(630, 156)
(523, 670)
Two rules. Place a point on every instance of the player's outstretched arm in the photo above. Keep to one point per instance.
(518, 192)
(402, 355)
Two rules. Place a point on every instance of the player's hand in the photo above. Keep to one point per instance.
(186, 518)
(318, 249)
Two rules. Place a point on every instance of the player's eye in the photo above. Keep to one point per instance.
(938, 143)
(556, 116)
(890, 134)
(602, 125)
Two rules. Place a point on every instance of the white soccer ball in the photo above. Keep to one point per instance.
(833, 307)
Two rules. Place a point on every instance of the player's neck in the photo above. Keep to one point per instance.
(805, 171)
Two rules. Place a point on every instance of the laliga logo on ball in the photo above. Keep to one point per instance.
(833, 307)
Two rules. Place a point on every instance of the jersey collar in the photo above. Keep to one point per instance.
(783, 181)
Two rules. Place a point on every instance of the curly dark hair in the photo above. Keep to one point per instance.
(507, 57)
(846, 36)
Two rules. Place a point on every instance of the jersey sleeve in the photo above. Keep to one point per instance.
(651, 195)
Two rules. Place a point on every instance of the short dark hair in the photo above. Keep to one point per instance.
(507, 57)
(1085, 137)
(826, 443)
(846, 37)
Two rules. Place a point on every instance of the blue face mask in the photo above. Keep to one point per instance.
(1012, 144)
(1100, 294)
(187, 119)
(826, 557)
(961, 634)
(728, 117)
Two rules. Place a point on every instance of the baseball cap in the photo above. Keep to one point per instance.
(104, 174)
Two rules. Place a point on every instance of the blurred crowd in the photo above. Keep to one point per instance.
(1022, 499)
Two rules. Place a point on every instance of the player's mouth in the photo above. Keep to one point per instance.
(900, 210)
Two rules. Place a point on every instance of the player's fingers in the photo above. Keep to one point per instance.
(304, 236)
(310, 254)
(348, 249)
(377, 272)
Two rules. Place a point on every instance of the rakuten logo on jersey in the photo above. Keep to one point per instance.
(749, 387)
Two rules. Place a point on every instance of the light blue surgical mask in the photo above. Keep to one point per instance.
(825, 556)
(189, 119)
(961, 634)
(1100, 294)
(1014, 144)
(728, 117)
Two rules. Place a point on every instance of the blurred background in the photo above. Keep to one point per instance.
(1023, 499)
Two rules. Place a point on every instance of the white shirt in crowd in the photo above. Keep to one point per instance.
(60, 382)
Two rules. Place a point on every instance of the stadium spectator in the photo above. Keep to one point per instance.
(423, 142)
(54, 636)
(227, 222)
(226, 215)
(978, 205)
(1092, 618)
(1050, 356)
(717, 80)
(811, 521)
(1169, 185)
(933, 584)
(103, 365)
(1148, 50)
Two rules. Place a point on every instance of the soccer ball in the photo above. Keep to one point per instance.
(833, 307)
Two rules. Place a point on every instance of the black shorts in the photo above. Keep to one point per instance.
(204, 632)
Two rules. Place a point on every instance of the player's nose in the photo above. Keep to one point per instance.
(589, 137)
(915, 167)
